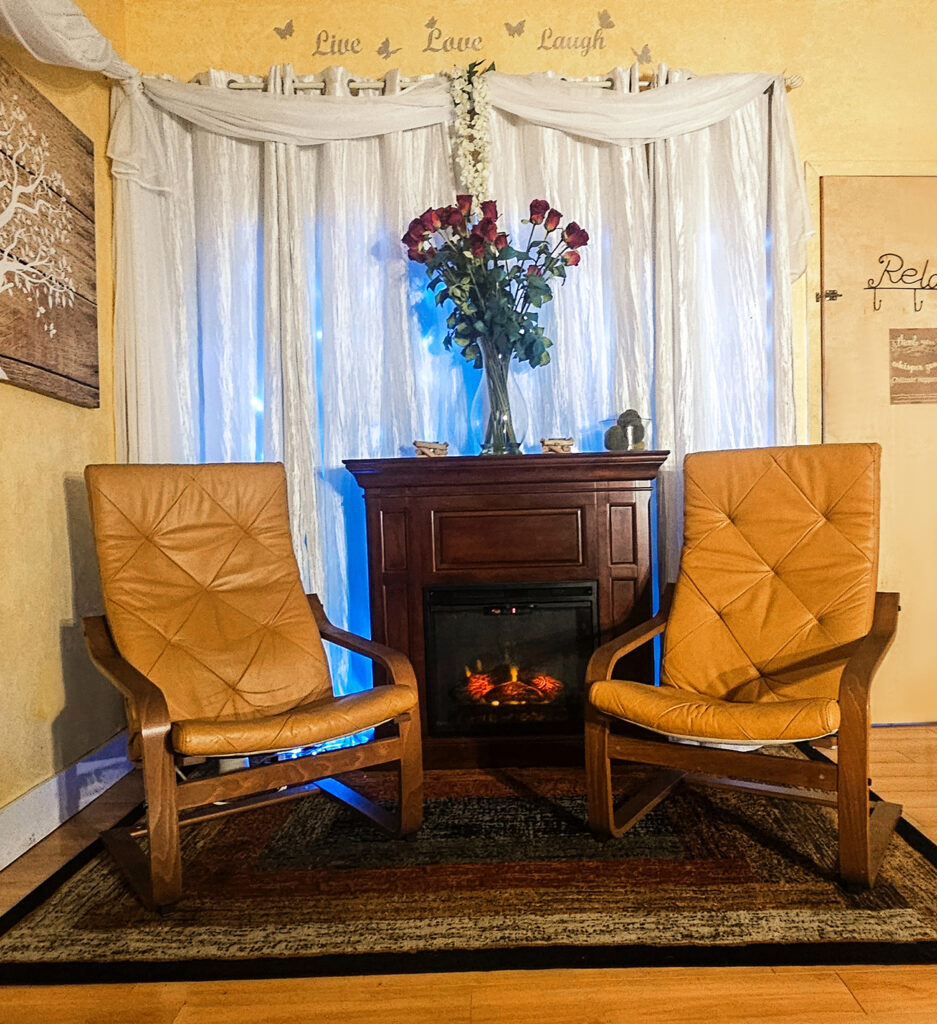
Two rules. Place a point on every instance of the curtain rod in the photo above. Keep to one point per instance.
(354, 84)
(361, 84)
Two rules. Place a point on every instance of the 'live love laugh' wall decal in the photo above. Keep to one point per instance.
(439, 38)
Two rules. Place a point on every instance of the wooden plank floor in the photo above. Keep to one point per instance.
(904, 769)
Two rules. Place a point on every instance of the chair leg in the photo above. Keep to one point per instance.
(157, 879)
(863, 837)
(411, 775)
(855, 862)
(598, 774)
(162, 817)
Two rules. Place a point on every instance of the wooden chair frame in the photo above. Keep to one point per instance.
(865, 826)
(171, 803)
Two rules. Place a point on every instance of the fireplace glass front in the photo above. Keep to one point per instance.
(509, 659)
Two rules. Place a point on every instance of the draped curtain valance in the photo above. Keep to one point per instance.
(295, 119)
(625, 118)
(305, 120)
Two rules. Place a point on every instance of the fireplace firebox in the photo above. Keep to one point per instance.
(509, 659)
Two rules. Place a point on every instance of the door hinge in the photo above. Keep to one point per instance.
(830, 295)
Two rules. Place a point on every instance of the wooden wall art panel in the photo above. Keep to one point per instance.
(48, 302)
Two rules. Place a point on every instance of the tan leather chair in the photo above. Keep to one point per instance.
(219, 654)
(773, 636)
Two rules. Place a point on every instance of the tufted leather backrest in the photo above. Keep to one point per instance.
(778, 572)
(201, 587)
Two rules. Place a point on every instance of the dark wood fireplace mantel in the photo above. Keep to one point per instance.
(507, 519)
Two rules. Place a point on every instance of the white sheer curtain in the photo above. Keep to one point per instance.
(200, 295)
(681, 307)
(724, 374)
(601, 318)
(373, 332)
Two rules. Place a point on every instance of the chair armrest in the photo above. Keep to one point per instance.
(856, 680)
(396, 663)
(603, 659)
(147, 698)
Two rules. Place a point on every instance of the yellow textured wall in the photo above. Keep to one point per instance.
(54, 707)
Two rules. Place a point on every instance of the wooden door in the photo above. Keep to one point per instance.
(879, 356)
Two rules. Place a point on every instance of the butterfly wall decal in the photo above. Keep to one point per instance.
(644, 57)
(516, 30)
(385, 51)
(605, 20)
(286, 31)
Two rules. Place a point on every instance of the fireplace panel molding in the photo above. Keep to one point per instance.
(500, 520)
(499, 538)
(394, 540)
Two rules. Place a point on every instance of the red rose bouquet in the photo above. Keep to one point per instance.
(495, 289)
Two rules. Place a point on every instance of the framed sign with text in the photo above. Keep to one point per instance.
(913, 365)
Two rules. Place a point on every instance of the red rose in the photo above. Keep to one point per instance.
(465, 205)
(451, 217)
(486, 229)
(571, 258)
(538, 210)
(574, 236)
(553, 219)
(535, 270)
(417, 255)
(430, 220)
(477, 245)
(490, 209)
(415, 235)
(501, 241)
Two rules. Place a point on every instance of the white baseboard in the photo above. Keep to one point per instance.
(35, 814)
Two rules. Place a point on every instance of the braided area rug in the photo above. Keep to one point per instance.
(504, 874)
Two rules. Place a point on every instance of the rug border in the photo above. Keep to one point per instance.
(804, 954)
(463, 961)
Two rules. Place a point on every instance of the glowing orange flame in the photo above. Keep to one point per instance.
(482, 687)
(479, 683)
(547, 685)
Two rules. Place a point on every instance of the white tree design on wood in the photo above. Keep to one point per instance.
(35, 218)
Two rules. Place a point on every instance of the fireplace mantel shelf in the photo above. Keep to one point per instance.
(581, 517)
(471, 470)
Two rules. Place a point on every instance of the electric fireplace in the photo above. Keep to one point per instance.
(509, 659)
(496, 576)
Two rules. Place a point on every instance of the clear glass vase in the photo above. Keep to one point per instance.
(498, 415)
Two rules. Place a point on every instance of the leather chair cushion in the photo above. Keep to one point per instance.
(698, 716)
(301, 726)
(201, 587)
(778, 572)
